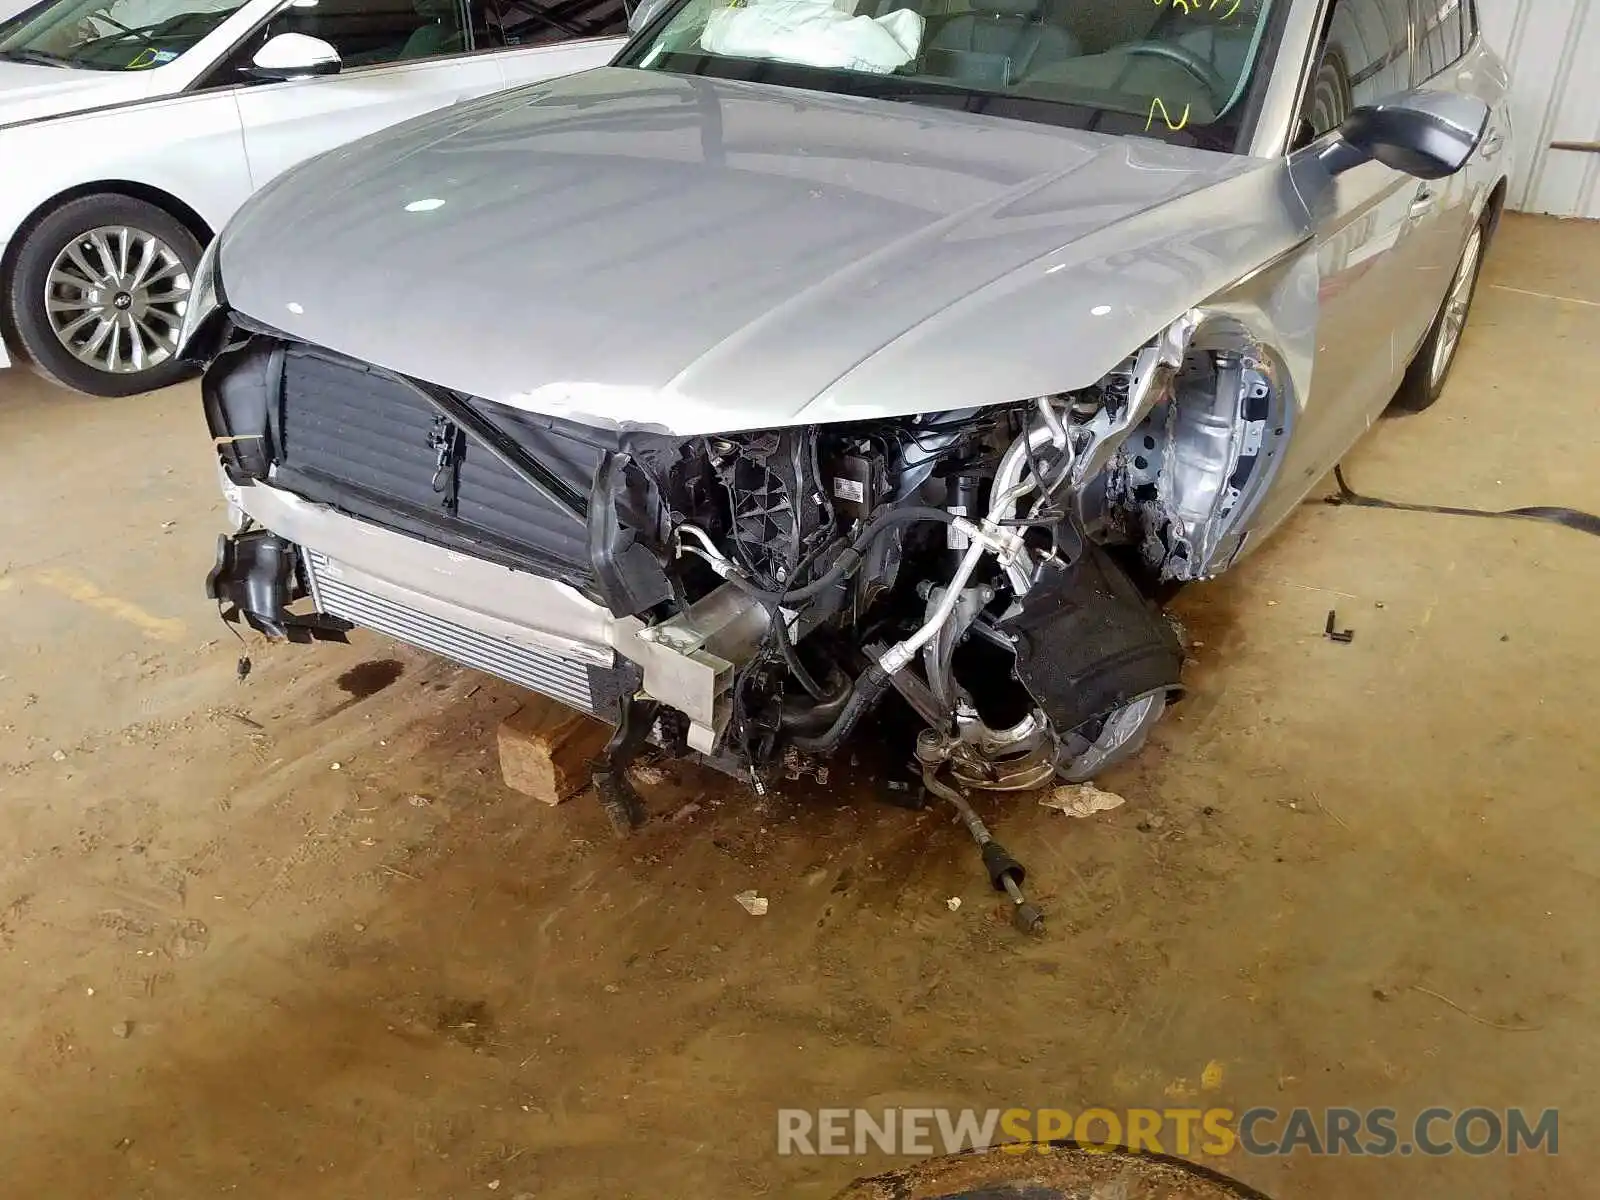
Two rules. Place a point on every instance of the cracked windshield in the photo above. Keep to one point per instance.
(1182, 69)
(111, 35)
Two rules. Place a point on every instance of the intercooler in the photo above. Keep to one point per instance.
(564, 679)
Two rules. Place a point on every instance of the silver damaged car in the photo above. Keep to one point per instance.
(821, 365)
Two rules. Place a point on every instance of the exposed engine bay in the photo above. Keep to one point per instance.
(994, 568)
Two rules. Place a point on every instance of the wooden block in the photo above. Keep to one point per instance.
(547, 752)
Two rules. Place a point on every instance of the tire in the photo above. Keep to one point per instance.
(104, 267)
(1430, 369)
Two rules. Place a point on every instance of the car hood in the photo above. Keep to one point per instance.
(30, 93)
(692, 255)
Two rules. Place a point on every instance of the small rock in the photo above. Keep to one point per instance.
(612, 988)
(122, 1029)
(88, 991)
(418, 801)
(360, 928)
(755, 905)
(494, 1185)
(336, 767)
(1383, 993)
(59, 755)
(953, 903)
(1155, 820)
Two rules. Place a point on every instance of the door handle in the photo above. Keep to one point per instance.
(1493, 144)
(1424, 203)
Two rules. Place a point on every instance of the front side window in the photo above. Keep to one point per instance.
(1366, 57)
(1184, 70)
(111, 35)
(369, 33)
(366, 33)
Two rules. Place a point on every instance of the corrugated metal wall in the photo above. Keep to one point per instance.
(1553, 49)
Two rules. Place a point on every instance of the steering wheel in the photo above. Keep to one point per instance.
(1218, 88)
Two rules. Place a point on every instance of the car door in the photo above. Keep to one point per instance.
(542, 39)
(1444, 207)
(1370, 300)
(401, 59)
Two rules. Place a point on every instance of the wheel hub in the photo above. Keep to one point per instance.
(115, 297)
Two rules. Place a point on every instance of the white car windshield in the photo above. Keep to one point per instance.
(110, 35)
(1181, 69)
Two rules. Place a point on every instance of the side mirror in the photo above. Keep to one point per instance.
(1430, 135)
(643, 12)
(294, 56)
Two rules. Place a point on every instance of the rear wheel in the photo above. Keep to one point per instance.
(99, 292)
(1429, 371)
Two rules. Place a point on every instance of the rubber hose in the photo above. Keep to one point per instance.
(869, 689)
(850, 560)
(791, 659)
(807, 721)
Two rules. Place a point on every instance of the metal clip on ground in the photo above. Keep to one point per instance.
(1005, 872)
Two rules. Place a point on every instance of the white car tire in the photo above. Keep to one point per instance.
(96, 294)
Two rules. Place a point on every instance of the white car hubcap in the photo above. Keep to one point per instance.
(115, 297)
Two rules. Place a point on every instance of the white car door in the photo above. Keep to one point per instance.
(401, 59)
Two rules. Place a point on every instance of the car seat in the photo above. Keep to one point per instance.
(1011, 30)
(442, 33)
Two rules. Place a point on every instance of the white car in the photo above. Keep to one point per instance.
(131, 130)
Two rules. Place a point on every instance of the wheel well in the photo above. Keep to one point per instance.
(1496, 205)
(170, 204)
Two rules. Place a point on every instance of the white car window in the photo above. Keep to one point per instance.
(366, 33)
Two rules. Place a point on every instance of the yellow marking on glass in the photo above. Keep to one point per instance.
(1160, 105)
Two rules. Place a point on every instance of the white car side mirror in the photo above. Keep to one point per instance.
(294, 56)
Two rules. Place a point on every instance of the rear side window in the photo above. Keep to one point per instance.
(1366, 57)
(1442, 35)
(542, 22)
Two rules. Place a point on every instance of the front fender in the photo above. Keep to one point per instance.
(1063, 321)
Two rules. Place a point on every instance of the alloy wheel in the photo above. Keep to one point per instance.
(1455, 307)
(115, 297)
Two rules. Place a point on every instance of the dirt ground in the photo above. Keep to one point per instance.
(292, 937)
